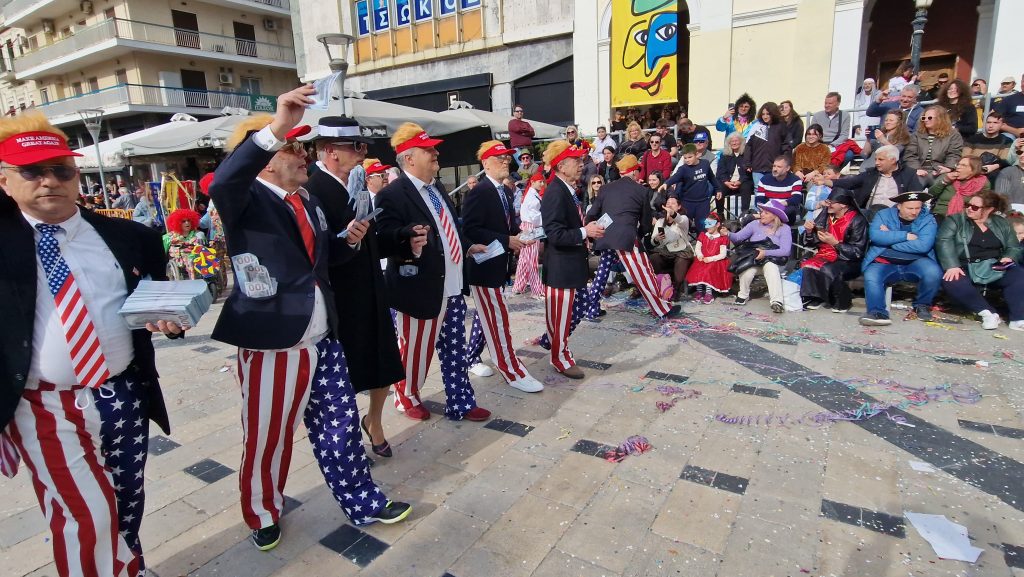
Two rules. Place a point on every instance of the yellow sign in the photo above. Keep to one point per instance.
(644, 52)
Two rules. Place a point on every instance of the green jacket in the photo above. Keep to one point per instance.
(956, 232)
(942, 191)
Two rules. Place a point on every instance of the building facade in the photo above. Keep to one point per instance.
(142, 61)
(428, 53)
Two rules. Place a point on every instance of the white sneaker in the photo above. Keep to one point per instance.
(527, 384)
(481, 370)
(1017, 325)
(989, 320)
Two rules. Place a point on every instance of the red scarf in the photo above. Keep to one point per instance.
(826, 252)
(964, 189)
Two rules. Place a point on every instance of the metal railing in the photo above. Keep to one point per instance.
(215, 44)
(16, 7)
(275, 3)
(147, 95)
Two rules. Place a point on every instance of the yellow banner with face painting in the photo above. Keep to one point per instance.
(644, 52)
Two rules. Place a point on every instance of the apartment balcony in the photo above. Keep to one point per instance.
(117, 37)
(125, 99)
(24, 13)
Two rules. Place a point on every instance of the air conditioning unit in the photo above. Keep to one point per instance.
(225, 78)
(269, 24)
(218, 48)
(48, 26)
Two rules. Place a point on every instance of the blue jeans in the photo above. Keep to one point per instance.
(877, 276)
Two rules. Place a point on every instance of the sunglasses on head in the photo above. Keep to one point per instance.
(61, 172)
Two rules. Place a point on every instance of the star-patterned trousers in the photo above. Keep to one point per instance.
(595, 289)
(277, 388)
(86, 450)
(527, 272)
(639, 267)
(417, 339)
(491, 308)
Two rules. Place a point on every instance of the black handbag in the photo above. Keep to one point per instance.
(745, 256)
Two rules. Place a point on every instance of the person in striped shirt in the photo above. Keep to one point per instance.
(782, 185)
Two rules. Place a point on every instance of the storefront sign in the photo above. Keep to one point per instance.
(363, 17)
(381, 16)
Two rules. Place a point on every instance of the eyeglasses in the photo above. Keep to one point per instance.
(975, 207)
(570, 132)
(655, 141)
(61, 172)
(518, 110)
(357, 146)
(927, 118)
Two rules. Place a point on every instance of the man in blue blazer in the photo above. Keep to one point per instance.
(426, 277)
(282, 318)
(487, 217)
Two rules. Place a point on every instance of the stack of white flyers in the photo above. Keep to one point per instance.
(533, 234)
(493, 250)
(180, 301)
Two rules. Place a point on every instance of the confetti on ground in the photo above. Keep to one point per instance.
(634, 445)
(565, 434)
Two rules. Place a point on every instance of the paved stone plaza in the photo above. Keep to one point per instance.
(530, 493)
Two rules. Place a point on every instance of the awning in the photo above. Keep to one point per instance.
(111, 150)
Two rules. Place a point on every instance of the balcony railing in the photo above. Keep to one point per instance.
(148, 95)
(215, 44)
(275, 3)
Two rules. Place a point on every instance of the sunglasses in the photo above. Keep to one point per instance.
(61, 172)
(597, 182)
(975, 207)
(927, 118)
(570, 132)
(519, 110)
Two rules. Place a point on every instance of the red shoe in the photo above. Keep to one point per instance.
(417, 413)
(477, 414)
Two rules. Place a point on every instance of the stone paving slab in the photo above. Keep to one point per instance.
(710, 498)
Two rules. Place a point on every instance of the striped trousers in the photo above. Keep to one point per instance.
(86, 450)
(563, 310)
(642, 273)
(527, 272)
(277, 388)
(417, 340)
(491, 327)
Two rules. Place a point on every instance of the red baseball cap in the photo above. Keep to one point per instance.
(377, 168)
(300, 130)
(32, 147)
(497, 150)
(421, 140)
(571, 152)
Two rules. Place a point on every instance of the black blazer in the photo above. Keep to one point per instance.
(368, 333)
(628, 203)
(418, 295)
(140, 254)
(862, 184)
(565, 254)
(484, 220)
(608, 171)
(258, 221)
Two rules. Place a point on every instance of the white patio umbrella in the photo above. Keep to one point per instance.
(498, 123)
(111, 151)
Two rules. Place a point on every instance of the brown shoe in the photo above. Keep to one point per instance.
(573, 372)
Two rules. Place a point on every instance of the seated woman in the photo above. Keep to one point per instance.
(974, 247)
(893, 131)
(733, 174)
(952, 190)
(935, 147)
(182, 235)
(771, 226)
(811, 155)
(671, 251)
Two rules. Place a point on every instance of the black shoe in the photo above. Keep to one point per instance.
(924, 312)
(740, 301)
(812, 304)
(267, 538)
(674, 312)
(393, 512)
(601, 312)
(383, 449)
(875, 320)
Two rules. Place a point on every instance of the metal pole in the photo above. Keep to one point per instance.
(93, 123)
(920, 19)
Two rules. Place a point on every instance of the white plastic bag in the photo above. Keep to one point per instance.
(791, 296)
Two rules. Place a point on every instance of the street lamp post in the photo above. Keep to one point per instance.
(93, 118)
(339, 62)
(920, 19)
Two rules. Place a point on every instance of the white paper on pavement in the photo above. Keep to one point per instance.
(948, 539)
(494, 249)
(922, 467)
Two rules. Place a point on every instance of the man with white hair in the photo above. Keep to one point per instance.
(874, 187)
(426, 277)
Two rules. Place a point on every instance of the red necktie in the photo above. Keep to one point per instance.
(308, 238)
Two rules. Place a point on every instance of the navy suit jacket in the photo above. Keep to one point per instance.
(565, 254)
(139, 253)
(259, 222)
(629, 205)
(418, 295)
(484, 220)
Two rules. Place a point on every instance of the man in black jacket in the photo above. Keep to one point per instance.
(628, 205)
(369, 336)
(565, 253)
(841, 235)
(283, 320)
(873, 188)
(426, 277)
(488, 217)
(77, 385)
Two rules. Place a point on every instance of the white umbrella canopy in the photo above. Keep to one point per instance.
(378, 119)
(498, 123)
(111, 151)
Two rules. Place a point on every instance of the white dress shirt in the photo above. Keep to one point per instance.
(572, 187)
(452, 271)
(318, 325)
(101, 282)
